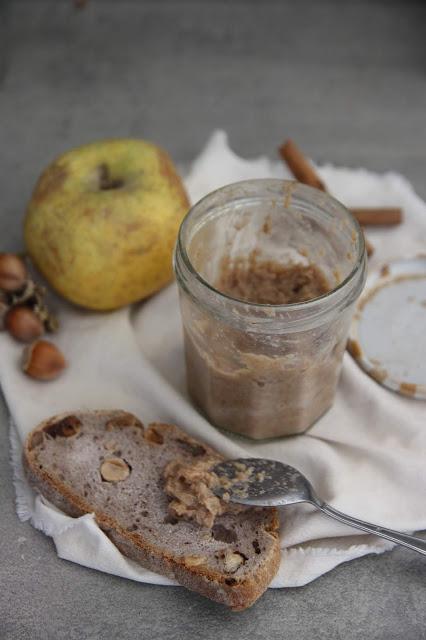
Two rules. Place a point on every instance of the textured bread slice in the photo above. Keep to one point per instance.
(106, 462)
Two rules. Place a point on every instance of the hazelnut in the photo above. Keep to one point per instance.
(23, 324)
(233, 560)
(43, 361)
(13, 272)
(114, 470)
(195, 561)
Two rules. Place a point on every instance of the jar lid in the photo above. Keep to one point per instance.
(388, 331)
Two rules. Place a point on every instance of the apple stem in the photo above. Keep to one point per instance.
(106, 182)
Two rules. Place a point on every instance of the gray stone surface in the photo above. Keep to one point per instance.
(347, 81)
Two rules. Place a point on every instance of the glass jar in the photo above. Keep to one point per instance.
(260, 369)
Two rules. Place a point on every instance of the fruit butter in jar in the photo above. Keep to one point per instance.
(268, 274)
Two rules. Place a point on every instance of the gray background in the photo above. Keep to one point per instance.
(347, 81)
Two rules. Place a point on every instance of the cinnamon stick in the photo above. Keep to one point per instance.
(300, 167)
(383, 216)
(304, 172)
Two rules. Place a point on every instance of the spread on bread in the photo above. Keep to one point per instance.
(191, 488)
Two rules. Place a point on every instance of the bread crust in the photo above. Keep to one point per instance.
(236, 594)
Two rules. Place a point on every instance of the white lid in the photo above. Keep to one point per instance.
(388, 332)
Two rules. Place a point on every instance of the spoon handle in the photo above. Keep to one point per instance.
(412, 542)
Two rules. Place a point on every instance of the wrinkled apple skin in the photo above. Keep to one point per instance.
(102, 222)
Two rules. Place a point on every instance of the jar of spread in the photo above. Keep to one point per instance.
(268, 274)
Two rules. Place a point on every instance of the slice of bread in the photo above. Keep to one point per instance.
(106, 462)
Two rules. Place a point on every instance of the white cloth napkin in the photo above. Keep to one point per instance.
(366, 456)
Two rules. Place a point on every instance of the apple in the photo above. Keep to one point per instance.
(102, 222)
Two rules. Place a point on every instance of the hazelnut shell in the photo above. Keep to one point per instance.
(13, 272)
(43, 360)
(23, 324)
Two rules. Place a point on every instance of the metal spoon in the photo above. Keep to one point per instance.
(266, 483)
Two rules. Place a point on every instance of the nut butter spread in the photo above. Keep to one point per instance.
(191, 488)
(269, 282)
(257, 385)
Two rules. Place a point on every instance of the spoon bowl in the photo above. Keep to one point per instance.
(260, 482)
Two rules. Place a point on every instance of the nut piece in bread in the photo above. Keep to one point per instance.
(114, 470)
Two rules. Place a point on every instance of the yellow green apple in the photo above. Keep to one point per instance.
(102, 222)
